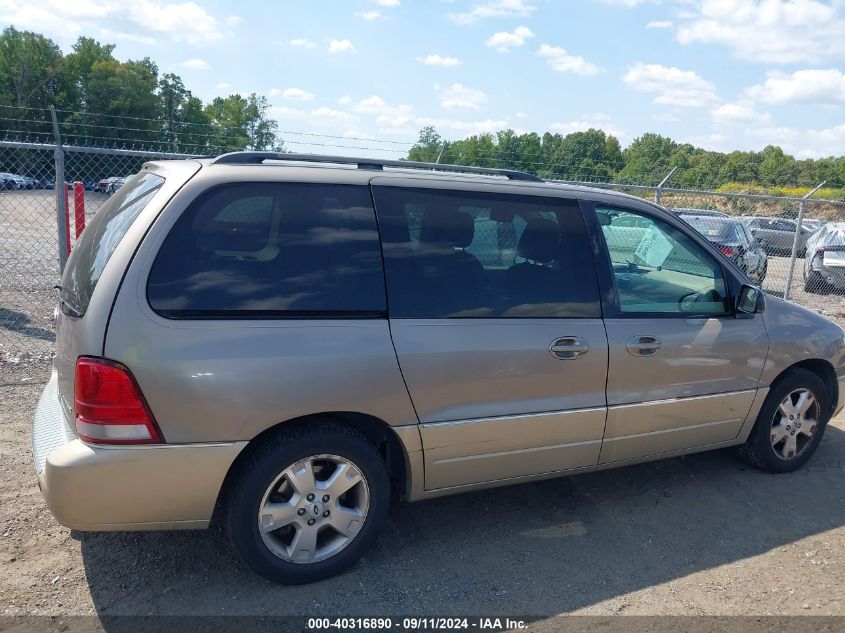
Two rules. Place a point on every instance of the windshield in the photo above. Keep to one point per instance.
(100, 239)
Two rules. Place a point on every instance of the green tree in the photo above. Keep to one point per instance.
(777, 168)
(648, 159)
(242, 123)
(29, 67)
(428, 146)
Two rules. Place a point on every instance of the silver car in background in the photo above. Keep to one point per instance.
(285, 343)
(824, 265)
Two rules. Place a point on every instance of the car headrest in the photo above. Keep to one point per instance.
(447, 227)
(539, 241)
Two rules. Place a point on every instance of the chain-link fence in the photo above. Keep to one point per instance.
(47, 195)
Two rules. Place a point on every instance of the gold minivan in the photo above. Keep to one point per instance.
(285, 341)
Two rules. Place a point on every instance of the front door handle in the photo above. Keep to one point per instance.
(643, 345)
(569, 348)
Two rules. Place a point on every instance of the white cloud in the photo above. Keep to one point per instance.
(438, 60)
(130, 37)
(341, 46)
(802, 86)
(296, 94)
(741, 112)
(625, 3)
(458, 96)
(223, 87)
(808, 143)
(521, 115)
(561, 61)
(672, 86)
(234, 20)
(493, 8)
(302, 42)
(274, 92)
(504, 41)
(465, 128)
(659, 24)
(195, 64)
(138, 21)
(388, 3)
(186, 21)
(369, 16)
(389, 119)
(596, 121)
(345, 100)
(318, 117)
(666, 117)
(771, 31)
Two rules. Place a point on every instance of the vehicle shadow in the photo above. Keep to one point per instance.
(538, 548)
(21, 323)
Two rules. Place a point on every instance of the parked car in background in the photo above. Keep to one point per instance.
(296, 341)
(47, 183)
(735, 242)
(812, 224)
(116, 184)
(700, 212)
(778, 234)
(103, 185)
(824, 264)
(7, 181)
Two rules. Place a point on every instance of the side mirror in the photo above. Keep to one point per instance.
(751, 300)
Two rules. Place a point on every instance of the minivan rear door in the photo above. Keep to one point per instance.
(495, 317)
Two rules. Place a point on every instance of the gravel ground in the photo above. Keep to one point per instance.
(691, 536)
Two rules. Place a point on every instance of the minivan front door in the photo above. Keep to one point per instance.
(495, 317)
(683, 371)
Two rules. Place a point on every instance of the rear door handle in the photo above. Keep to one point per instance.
(569, 348)
(643, 345)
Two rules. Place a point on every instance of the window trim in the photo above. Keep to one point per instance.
(611, 307)
(259, 315)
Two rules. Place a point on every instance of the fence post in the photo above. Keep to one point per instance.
(802, 205)
(659, 191)
(61, 194)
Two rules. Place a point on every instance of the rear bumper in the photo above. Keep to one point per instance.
(124, 488)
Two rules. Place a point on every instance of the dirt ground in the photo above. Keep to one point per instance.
(697, 535)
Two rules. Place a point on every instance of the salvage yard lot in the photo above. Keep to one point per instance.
(703, 534)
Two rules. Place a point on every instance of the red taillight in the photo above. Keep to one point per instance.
(109, 407)
(727, 250)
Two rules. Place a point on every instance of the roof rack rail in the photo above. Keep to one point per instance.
(256, 158)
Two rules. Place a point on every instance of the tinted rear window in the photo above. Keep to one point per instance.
(712, 229)
(271, 250)
(94, 249)
(461, 254)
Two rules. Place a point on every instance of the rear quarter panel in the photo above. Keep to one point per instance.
(227, 380)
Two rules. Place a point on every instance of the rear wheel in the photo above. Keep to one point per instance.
(308, 504)
(790, 424)
(815, 283)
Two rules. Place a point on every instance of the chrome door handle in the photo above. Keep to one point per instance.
(643, 345)
(568, 348)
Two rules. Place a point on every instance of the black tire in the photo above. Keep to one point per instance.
(815, 283)
(758, 450)
(261, 468)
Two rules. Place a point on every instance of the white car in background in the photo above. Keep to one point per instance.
(824, 264)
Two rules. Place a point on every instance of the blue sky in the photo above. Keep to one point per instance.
(722, 74)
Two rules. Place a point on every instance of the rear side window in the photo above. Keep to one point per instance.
(271, 250)
(453, 254)
(100, 239)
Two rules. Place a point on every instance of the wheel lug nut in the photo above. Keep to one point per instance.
(310, 496)
(301, 511)
(325, 498)
(310, 521)
(325, 514)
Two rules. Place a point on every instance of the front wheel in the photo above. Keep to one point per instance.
(790, 424)
(308, 504)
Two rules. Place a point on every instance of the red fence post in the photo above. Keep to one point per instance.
(78, 208)
(67, 221)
